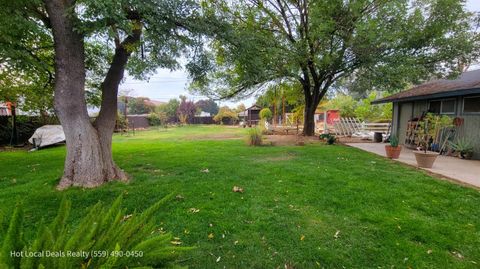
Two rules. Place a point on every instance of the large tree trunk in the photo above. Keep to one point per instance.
(105, 123)
(89, 160)
(311, 103)
(313, 95)
(309, 120)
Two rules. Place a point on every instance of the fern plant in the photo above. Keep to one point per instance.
(105, 238)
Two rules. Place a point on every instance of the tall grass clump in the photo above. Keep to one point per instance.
(254, 137)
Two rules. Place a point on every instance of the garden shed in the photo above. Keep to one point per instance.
(251, 115)
(458, 98)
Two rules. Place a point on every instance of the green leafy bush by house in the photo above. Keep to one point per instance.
(107, 237)
(266, 114)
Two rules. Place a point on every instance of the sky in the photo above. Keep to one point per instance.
(165, 85)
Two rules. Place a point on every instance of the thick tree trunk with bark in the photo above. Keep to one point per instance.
(309, 120)
(312, 99)
(313, 95)
(89, 160)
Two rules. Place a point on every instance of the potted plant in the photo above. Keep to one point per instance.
(424, 157)
(464, 148)
(393, 150)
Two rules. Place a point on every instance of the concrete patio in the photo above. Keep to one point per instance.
(466, 172)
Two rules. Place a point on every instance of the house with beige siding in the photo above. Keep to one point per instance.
(458, 98)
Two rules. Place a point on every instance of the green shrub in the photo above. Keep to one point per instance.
(265, 114)
(226, 116)
(122, 241)
(157, 119)
(324, 137)
(254, 137)
(262, 126)
(331, 140)
(121, 123)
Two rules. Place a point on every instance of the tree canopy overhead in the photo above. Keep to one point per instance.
(207, 105)
(317, 43)
(91, 44)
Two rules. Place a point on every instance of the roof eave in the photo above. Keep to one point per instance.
(428, 96)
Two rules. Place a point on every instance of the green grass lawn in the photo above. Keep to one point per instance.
(309, 207)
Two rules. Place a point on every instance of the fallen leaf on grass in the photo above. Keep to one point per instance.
(237, 189)
(302, 237)
(336, 234)
(126, 217)
(217, 259)
(211, 236)
(194, 210)
(457, 254)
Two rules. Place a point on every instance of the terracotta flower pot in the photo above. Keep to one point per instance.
(393, 152)
(425, 160)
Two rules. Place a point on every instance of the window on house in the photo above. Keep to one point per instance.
(448, 107)
(435, 107)
(471, 104)
(442, 106)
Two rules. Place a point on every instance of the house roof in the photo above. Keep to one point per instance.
(153, 102)
(467, 83)
(254, 107)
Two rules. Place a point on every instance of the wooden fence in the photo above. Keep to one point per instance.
(349, 126)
